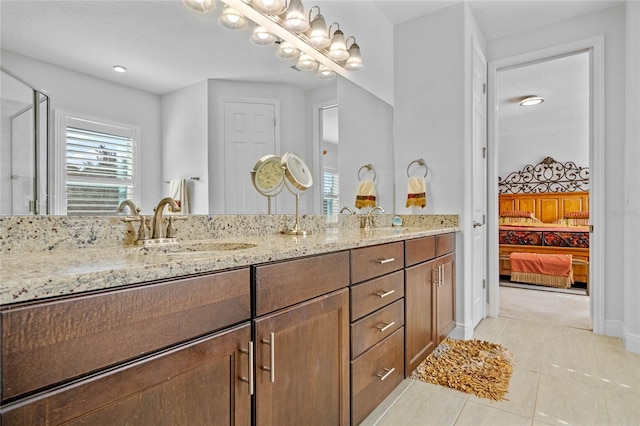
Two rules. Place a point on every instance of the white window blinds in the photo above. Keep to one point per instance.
(330, 192)
(100, 167)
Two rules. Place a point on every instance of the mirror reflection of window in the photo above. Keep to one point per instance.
(329, 149)
(100, 166)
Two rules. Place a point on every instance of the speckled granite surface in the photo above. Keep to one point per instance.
(52, 256)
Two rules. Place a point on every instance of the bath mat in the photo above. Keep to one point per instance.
(473, 366)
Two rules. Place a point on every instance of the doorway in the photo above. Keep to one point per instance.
(500, 140)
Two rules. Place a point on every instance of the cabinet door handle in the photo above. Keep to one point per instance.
(272, 357)
(436, 280)
(442, 277)
(387, 260)
(388, 372)
(386, 326)
(385, 293)
(249, 380)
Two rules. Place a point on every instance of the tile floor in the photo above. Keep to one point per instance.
(562, 376)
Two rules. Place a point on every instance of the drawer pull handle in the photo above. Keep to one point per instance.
(385, 293)
(249, 380)
(388, 372)
(387, 260)
(272, 356)
(386, 326)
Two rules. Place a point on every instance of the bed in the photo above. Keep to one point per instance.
(544, 212)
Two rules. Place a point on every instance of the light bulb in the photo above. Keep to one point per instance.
(338, 49)
(271, 7)
(200, 5)
(324, 73)
(261, 36)
(232, 19)
(295, 19)
(318, 36)
(354, 61)
(306, 63)
(287, 50)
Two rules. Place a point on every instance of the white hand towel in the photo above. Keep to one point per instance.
(366, 195)
(179, 191)
(416, 192)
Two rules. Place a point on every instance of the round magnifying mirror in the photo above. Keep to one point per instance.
(296, 171)
(267, 177)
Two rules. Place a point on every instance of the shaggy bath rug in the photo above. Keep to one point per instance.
(473, 366)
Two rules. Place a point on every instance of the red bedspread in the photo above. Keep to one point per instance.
(546, 264)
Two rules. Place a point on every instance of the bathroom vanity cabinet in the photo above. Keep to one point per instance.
(430, 295)
(316, 340)
(164, 353)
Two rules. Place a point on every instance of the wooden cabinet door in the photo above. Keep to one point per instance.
(420, 336)
(446, 297)
(198, 383)
(302, 363)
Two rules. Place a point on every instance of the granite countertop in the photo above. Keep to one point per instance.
(37, 275)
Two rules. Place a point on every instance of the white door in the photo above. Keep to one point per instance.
(249, 134)
(479, 253)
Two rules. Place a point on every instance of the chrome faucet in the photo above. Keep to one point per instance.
(135, 210)
(347, 209)
(369, 221)
(158, 219)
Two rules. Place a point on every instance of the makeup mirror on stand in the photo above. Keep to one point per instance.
(267, 177)
(298, 177)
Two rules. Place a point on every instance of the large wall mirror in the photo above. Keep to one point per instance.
(179, 108)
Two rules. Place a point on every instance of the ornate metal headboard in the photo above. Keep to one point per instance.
(546, 176)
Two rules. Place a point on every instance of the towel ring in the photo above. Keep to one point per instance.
(369, 167)
(421, 162)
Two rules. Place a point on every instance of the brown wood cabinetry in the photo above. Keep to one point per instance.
(429, 295)
(302, 363)
(193, 384)
(377, 330)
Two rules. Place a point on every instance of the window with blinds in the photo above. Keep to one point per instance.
(330, 192)
(100, 167)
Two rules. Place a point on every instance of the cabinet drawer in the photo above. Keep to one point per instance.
(283, 284)
(445, 243)
(375, 327)
(193, 384)
(375, 374)
(50, 342)
(374, 261)
(419, 250)
(373, 295)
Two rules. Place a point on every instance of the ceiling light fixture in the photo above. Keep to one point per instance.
(232, 19)
(295, 20)
(531, 101)
(200, 5)
(261, 36)
(338, 49)
(270, 7)
(119, 68)
(354, 61)
(318, 35)
(287, 50)
(324, 73)
(306, 62)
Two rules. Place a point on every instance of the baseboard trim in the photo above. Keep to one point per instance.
(631, 342)
(614, 328)
(462, 332)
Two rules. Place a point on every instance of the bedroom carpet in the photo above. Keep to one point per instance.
(474, 366)
(568, 310)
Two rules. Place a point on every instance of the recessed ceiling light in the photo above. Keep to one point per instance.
(119, 68)
(531, 101)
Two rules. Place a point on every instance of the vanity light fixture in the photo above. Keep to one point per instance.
(354, 61)
(338, 49)
(119, 68)
(318, 35)
(306, 62)
(232, 19)
(295, 20)
(261, 36)
(270, 7)
(324, 73)
(531, 101)
(200, 5)
(287, 50)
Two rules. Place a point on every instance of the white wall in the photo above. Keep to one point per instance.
(294, 135)
(631, 179)
(374, 35)
(79, 93)
(531, 146)
(184, 143)
(610, 23)
(365, 126)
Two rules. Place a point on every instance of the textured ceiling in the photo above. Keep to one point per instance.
(166, 46)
